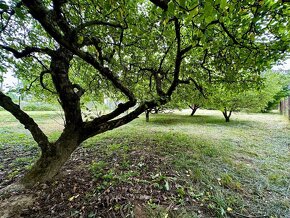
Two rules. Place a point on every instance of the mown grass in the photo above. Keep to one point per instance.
(236, 169)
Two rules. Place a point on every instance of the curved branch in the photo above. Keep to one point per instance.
(197, 86)
(179, 57)
(157, 77)
(42, 83)
(27, 51)
(163, 58)
(10, 14)
(25, 119)
(228, 33)
(122, 107)
(30, 85)
(89, 129)
(47, 20)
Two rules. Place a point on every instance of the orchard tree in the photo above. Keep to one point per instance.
(181, 99)
(283, 92)
(136, 51)
(192, 96)
(233, 97)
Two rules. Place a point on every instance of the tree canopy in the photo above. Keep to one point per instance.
(136, 51)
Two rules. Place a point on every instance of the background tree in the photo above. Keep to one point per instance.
(284, 81)
(228, 97)
(189, 96)
(133, 50)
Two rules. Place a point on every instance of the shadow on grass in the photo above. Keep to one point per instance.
(176, 119)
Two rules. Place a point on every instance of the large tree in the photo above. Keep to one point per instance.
(138, 51)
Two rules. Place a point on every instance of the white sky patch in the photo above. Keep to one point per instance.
(9, 81)
(284, 65)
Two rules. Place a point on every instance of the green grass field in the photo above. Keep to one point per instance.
(203, 166)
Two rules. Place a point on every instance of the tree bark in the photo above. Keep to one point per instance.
(50, 161)
(147, 115)
(227, 114)
(227, 119)
(281, 107)
(55, 24)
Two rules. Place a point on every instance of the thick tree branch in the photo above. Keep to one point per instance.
(26, 120)
(69, 93)
(47, 20)
(157, 77)
(45, 17)
(178, 59)
(60, 19)
(27, 51)
(90, 130)
(121, 108)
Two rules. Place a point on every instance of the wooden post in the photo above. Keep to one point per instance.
(284, 106)
(288, 98)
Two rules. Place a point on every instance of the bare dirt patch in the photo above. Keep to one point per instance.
(14, 205)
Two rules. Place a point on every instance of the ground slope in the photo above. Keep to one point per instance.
(173, 166)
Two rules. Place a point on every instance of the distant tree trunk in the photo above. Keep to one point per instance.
(227, 114)
(281, 107)
(194, 108)
(156, 110)
(288, 106)
(147, 112)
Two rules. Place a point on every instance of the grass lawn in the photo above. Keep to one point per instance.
(173, 166)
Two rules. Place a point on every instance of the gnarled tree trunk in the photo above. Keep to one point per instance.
(50, 162)
(66, 46)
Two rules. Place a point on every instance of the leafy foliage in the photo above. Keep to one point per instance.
(230, 97)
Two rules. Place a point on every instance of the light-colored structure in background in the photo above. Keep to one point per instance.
(284, 107)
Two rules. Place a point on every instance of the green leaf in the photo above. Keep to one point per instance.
(19, 13)
(3, 6)
(182, 3)
(80, 40)
(171, 8)
(208, 12)
(223, 4)
(193, 13)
